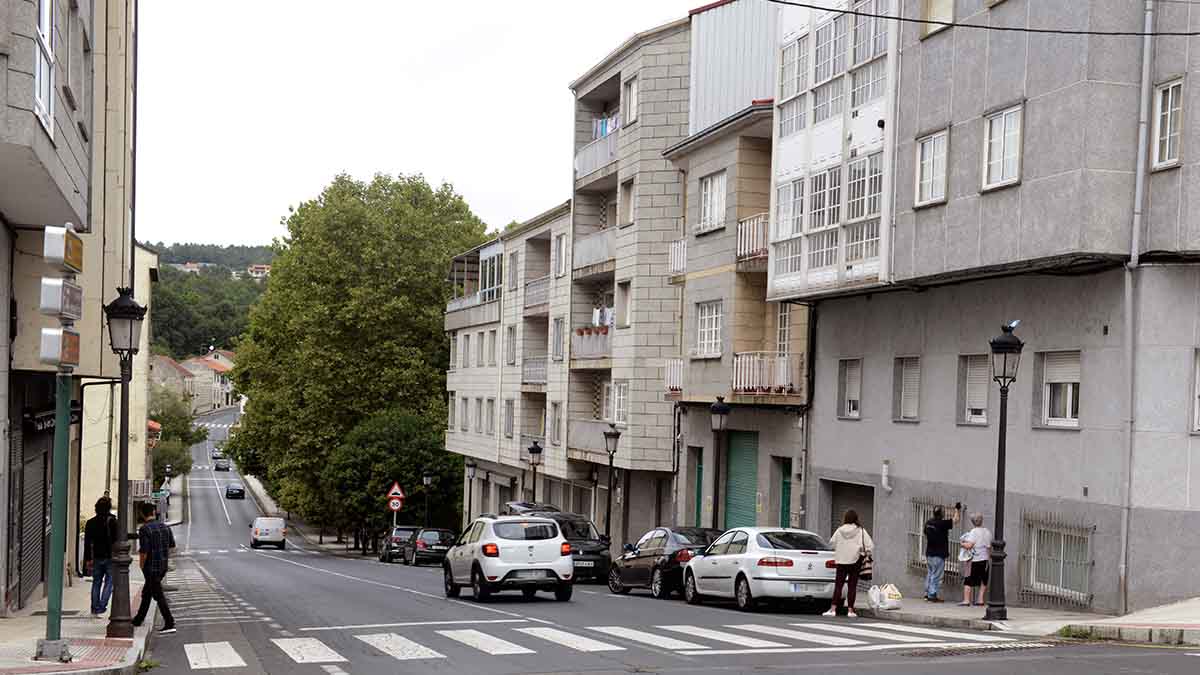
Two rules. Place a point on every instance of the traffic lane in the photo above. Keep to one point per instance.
(213, 519)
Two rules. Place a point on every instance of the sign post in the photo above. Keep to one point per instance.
(395, 501)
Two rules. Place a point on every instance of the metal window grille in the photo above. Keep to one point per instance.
(920, 511)
(1056, 560)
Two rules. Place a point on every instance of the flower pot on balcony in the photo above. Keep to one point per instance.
(588, 330)
(579, 331)
(604, 330)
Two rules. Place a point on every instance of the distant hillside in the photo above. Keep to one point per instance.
(193, 311)
(233, 257)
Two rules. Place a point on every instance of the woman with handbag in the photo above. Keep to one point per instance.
(852, 549)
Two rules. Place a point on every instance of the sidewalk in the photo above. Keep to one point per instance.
(1175, 624)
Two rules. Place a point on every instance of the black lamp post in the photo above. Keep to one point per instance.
(471, 467)
(611, 438)
(1006, 356)
(720, 417)
(535, 460)
(426, 480)
(124, 317)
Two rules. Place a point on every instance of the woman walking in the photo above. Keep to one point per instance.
(979, 543)
(851, 545)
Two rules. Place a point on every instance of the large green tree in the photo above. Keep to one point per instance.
(350, 325)
(195, 311)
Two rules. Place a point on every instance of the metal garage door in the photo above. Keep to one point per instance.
(33, 525)
(741, 479)
(785, 494)
(861, 498)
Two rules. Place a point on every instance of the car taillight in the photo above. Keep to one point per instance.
(491, 550)
(566, 548)
(396, 540)
(773, 561)
(830, 564)
(284, 532)
(420, 544)
(684, 554)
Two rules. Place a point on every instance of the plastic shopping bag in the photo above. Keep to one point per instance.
(890, 597)
(875, 597)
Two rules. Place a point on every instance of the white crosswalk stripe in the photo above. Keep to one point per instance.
(576, 642)
(399, 648)
(804, 636)
(634, 635)
(308, 650)
(863, 632)
(204, 655)
(940, 634)
(488, 644)
(722, 636)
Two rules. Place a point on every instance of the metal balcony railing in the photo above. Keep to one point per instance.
(752, 237)
(763, 373)
(678, 256)
(463, 302)
(594, 342)
(533, 370)
(537, 292)
(596, 155)
(595, 248)
(674, 379)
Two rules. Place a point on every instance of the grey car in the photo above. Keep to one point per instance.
(221, 465)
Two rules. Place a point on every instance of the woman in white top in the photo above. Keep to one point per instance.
(979, 543)
(850, 543)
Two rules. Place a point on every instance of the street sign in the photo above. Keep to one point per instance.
(63, 248)
(395, 497)
(60, 347)
(395, 503)
(61, 299)
(396, 491)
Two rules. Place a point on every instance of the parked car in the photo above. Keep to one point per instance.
(524, 508)
(749, 564)
(394, 541)
(221, 464)
(235, 491)
(265, 530)
(510, 552)
(216, 453)
(426, 545)
(657, 560)
(589, 548)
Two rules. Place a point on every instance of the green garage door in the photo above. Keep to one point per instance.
(741, 479)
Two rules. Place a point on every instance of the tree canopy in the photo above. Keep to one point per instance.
(178, 434)
(233, 257)
(193, 311)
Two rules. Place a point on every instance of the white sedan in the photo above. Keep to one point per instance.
(752, 563)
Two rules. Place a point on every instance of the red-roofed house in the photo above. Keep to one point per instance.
(166, 372)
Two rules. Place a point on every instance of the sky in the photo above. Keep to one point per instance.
(249, 107)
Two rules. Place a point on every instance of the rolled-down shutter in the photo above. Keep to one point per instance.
(741, 480)
(1062, 367)
(853, 388)
(910, 388)
(33, 525)
(978, 376)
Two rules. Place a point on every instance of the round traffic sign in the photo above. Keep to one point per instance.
(395, 503)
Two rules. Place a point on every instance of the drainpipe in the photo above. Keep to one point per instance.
(1130, 268)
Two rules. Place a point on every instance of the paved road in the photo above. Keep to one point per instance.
(301, 611)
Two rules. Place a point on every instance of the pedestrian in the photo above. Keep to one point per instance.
(155, 542)
(99, 535)
(937, 549)
(979, 543)
(851, 545)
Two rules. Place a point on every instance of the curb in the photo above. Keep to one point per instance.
(925, 619)
(1141, 634)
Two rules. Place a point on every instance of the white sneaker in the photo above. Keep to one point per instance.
(832, 612)
(850, 614)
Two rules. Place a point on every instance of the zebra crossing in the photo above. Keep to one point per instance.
(292, 550)
(428, 642)
(213, 425)
(197, 598)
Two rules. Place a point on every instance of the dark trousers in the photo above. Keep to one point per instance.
(845, 574)
(154, 590)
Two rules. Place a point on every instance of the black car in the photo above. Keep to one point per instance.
(589, 548)
(656, 561)
(526, 508)
(426, 545)
(235, 491)
(392, 543)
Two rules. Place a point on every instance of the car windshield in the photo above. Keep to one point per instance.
(696, 536)
(235, 486)
(793, 541)
(403, 532)
(578, 529)
(526, 530)
(437, 537)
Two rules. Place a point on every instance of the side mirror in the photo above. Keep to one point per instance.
(628, 548)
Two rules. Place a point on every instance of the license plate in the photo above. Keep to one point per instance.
(529, 574)
(807, 588)
(440, 548)
(584, 563)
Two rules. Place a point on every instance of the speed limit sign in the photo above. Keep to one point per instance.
(395, 497)
(395, 503)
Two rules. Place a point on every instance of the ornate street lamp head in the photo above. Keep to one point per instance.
(427, 478)
(1006, 355)
(471, 466)
(611, 438)
(535, 454)
(720, 414)
(125, 318)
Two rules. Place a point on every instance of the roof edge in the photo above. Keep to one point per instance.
(540, 219)
(626, 45)
(734, 122)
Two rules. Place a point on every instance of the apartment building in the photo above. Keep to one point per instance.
(1013, 186)
(167, 373)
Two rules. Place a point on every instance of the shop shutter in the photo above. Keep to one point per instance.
(785, 494)
(861, 498)
(699, 491)
(741, 479)
(33, 525)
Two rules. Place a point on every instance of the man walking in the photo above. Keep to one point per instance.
(99, 535)
(155, 542)
(937, 549)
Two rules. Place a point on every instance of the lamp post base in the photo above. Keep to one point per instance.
(996, 605)
(53, 650)
(120, 622)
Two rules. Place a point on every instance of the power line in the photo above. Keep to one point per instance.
(1010, 29)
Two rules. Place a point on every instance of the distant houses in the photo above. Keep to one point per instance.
(204, 381)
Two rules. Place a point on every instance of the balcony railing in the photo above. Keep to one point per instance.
(537, 292)
(767, 373)
(752, 237)
(707, 226)
(674, 379)
(533, 370)
(463, 302)
(595, 248)
(595, 342)
(679, 256)
(596, 155)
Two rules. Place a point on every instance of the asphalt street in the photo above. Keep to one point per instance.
(302, 611)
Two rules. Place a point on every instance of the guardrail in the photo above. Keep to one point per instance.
(752, 237)
(595, 248)
(596, 155)
(678, 256)
(533, 370)
(537, 292)
(594, 343)
(764, 373)
(674, 379)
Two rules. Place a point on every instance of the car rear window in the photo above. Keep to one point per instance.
(794, 541)
(696, 536)
(526, 530)
(269, 522)
(437, 537)
(404, 532)
(578, 529)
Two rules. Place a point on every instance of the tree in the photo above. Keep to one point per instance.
(194, 311)
(175, 416)
(172, 453)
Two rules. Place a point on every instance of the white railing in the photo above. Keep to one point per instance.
(464, 302)
(674, 375)
(679, 256)
(533, 370)
(596, 155)
(595, 342)
(766, 373)
(752, 237)
(595, 248)
(537, 292)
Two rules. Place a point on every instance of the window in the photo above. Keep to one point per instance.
(628, 213)
(479, 349)
(850, 386)
(787, 72)
(830, 58)
(975, 372)
(514, 260)
(453, 350)
(862, 240)
(630, 104)
(491, 348)
(555, 423)
(479, 415)
(783, 329)
(560, 255)
(1167, 116)
(450, 411)
(931, 168)
(907, 392)
(825, 199)
(792, 116)
(870, 33)
(491, 277)
(708, 328)
(43, 77)
(491, 416)
(865, 187)
(624, 299)
(464, 413)
(789, 209)
(557, 337)
(510, 345)
(620, 402)
(936, 10)
(1060, 399)
(822, 249)
(1002, 148)
(867, 83)
(712, 202)
(788, 256)
(466, 350)
(1058, 559)
(827, 101)
(508, 418)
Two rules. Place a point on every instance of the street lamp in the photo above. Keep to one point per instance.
(611, 438)
(471, 466)
(1006, 356)
(720, 417)
(427, 480)
(535, 460)
(124, 317)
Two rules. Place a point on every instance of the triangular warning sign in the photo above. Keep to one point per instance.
(396, 491)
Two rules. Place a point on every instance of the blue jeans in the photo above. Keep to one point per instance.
(933, 578)
(102, 585)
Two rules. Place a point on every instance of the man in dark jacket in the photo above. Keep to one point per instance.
(155, 542)
(937, 549)
(99, 535)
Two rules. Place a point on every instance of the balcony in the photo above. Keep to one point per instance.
(537, 294)
(596, 155)
(752, 249)
(678, 258)
(590, 343)
(464, 302)
(533, 370)
(827, 260)
(584, 436)
(592, 252)
(767, 374)
(706, 226)
(472, 309)
(674, 376)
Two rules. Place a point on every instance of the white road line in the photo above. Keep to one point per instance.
(722, 636)
(803, 636)
(862, 632)
(488, 644)
(412, 623)
(948, 634)
(308, 650)
(224, 550)
(576, 642)
(203, 655)
(188, 547)
(399, 648)
(646, 638)
(814, 650)
(221, 497)
(333, 670)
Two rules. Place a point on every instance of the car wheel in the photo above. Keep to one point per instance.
(452, 589)
(658, 585)
(615, 584)
(689, 590)
(745, 599)
(563, 592)
(479, 589)
(530, 592)
(282, 545)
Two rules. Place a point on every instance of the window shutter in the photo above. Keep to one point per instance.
(854, 380)
(978, 376)
(1062, 367)
(910, 393)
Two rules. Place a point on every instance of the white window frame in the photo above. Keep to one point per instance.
(491, 416)
(510, 345)
(1008, 145)
(931, 175)
(479, 350)
(453, 351)
(909, 387)
(629, 102)
(828, 100)
(560, 255)
(936, 10)
(864, 187)
(793, 115)
(451, 410)
(981, 364)
(851, 404)
(708, 328)
(1071, 392)
(1033, 530)
(466, 350)
(555, 423)
(620, 402)
(43, 66)
(712, 202)
(492, 337)
(875, 40)
(556, 336)
(464, 413)
(1168, 120)
(606, 403)
(508, 417)
(783, 329)
(867, 83)
(479, 414)
(788, 63)
(829, 59)
(824, 199)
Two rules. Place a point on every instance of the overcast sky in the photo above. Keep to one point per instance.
(249, 107)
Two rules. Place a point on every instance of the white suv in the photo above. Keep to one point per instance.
(507, 552)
